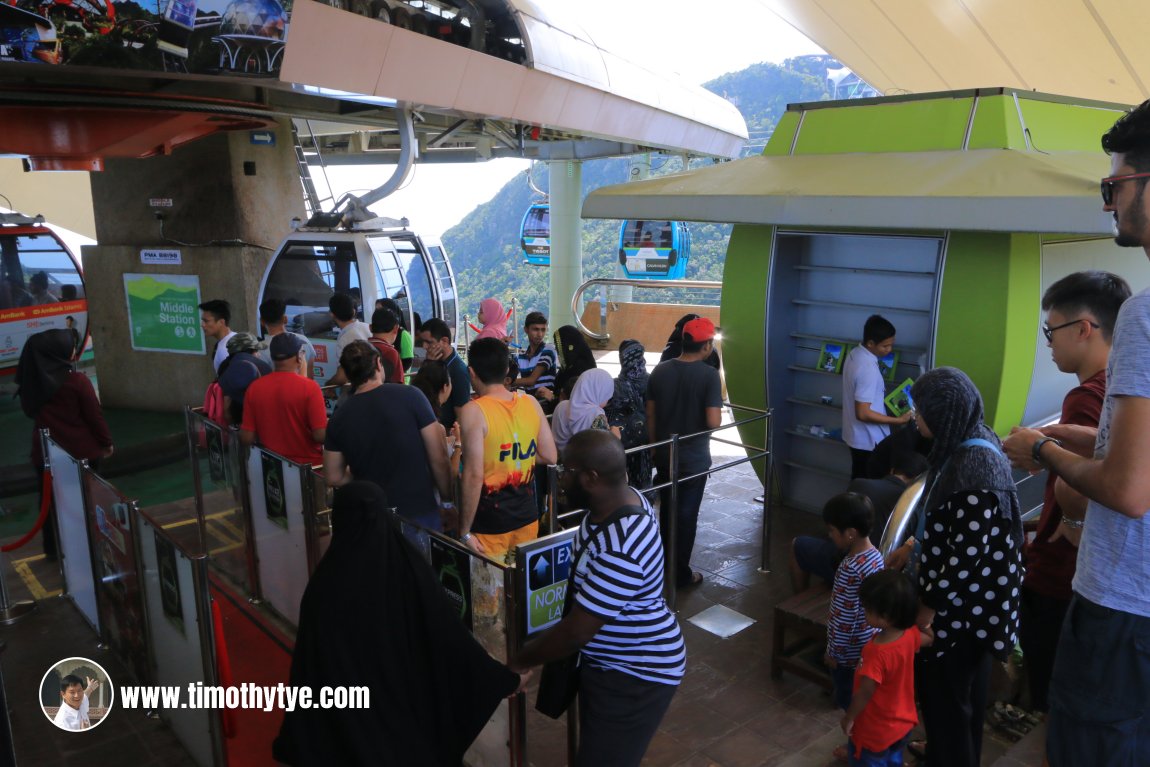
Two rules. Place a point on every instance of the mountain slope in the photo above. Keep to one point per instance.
(484, 246)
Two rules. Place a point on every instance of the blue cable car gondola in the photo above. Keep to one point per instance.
(535, 234)
(654, 250)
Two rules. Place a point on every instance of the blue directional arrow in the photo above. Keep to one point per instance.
(541, 565)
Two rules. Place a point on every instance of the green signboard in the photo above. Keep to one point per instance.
(163, 312)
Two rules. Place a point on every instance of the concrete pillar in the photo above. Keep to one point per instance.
(232, 202)
(566, 190)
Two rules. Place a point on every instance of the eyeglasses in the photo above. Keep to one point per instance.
(1107, 185)
(1049, 331)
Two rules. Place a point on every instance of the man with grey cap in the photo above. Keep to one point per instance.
(237, 372)
(284, 411)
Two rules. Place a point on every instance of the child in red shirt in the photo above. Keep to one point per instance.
(882, 713)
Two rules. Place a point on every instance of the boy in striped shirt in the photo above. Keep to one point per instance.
(848, 518)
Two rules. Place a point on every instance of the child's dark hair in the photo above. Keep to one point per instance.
(891, 595)
(70, 680)
(849, 510)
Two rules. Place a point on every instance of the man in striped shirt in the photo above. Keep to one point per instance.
(633, 656)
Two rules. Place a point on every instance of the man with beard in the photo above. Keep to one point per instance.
(1098, 711)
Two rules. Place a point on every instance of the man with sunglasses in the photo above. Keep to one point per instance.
(1081, 309)
(1099, 713)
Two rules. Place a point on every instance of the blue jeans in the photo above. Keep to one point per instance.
(817, 556)
(1100, 689)
(891, 756)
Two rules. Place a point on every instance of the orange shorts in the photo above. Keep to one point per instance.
(496, 545)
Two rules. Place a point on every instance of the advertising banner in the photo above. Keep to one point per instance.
(163, 312)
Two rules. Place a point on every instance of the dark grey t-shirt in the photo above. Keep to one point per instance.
(681, 392)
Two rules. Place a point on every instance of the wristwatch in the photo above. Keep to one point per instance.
(1036, 450)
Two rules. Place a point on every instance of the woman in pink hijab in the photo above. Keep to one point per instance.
(493, 319)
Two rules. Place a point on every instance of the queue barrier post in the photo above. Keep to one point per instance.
(671, 527)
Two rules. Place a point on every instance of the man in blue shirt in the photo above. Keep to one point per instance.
(538, 362)
(1099, 713)
(435, 337)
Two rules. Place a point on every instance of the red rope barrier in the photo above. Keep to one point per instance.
(45, 506)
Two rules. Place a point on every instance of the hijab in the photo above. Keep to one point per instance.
(572, 416)
(374, 615)
(574, 353)
(951, 406)
(45, 363)
(631, 385)
(674, 347)
(494, 319)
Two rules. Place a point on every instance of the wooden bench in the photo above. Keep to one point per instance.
(804, 618)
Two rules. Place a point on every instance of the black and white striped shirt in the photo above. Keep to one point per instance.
(620, 579)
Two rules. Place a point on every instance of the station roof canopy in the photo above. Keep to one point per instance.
(1006, 190)
(1093, 49)
(568, 99)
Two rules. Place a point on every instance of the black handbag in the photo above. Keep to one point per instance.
(559, 679)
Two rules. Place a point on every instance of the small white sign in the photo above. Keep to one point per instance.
(159, 202)
(169, 257)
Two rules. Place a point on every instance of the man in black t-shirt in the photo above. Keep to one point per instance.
(685, 396)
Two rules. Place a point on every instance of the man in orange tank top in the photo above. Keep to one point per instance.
(504, 436)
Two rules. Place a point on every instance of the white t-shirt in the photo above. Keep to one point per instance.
(358, 330)
(862, 382)
(221, 351)
(72, 718)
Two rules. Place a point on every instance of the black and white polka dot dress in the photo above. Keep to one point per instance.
(970, 572)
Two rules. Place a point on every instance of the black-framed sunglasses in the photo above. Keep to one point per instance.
(1107, 185)
(1049, 331)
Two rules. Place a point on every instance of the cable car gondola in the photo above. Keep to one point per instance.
(535, 234)
(375, 259)
(654, 250)
(41, 287)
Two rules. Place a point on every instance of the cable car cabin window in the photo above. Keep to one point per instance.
(418, 280)
(34, 270)
(648, 234)
(306, 276)
(447, 302)
(538, 222)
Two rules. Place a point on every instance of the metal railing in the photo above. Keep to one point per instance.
(619, 281)
(669, 516)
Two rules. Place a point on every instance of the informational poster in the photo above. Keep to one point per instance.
(163, 312)
(121, 602)
(217, 467)
(169, 582)
(452, 569)
(274, 498)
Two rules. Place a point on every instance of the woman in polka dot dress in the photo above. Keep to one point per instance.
(970, 567)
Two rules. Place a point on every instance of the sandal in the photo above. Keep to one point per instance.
(841, 754)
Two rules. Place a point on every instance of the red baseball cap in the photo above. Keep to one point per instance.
(699, 330)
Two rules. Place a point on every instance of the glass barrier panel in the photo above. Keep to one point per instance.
(72, 530)
(219, 484)
(276, 493)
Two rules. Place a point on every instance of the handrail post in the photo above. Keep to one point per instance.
(670, 587)
(768, 516)
(553, 498)
(251, 556)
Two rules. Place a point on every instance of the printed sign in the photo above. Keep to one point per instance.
(168, 257)
(452, 569)
(163, 312)
(274, 490)
(548, 568)
(159, 202)
(169, 582)
(263, 137)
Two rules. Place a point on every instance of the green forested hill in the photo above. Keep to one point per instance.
(484, 247)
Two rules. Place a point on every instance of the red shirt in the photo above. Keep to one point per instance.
(74, 420)
(890, 713)
(1050, 566)
(283, 409)
(391, 356)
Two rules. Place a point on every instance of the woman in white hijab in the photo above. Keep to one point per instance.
(593, 390)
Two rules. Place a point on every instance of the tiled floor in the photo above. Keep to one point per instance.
(727, 713)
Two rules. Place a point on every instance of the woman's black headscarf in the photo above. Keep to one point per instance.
(575, 357)
(373, 615)
(951, 406)
(45, 362)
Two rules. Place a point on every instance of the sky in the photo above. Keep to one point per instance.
(724, 38)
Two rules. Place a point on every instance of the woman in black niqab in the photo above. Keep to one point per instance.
(674, 347)
(373, 615)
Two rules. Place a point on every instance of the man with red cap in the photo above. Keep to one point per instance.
(684, 396)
